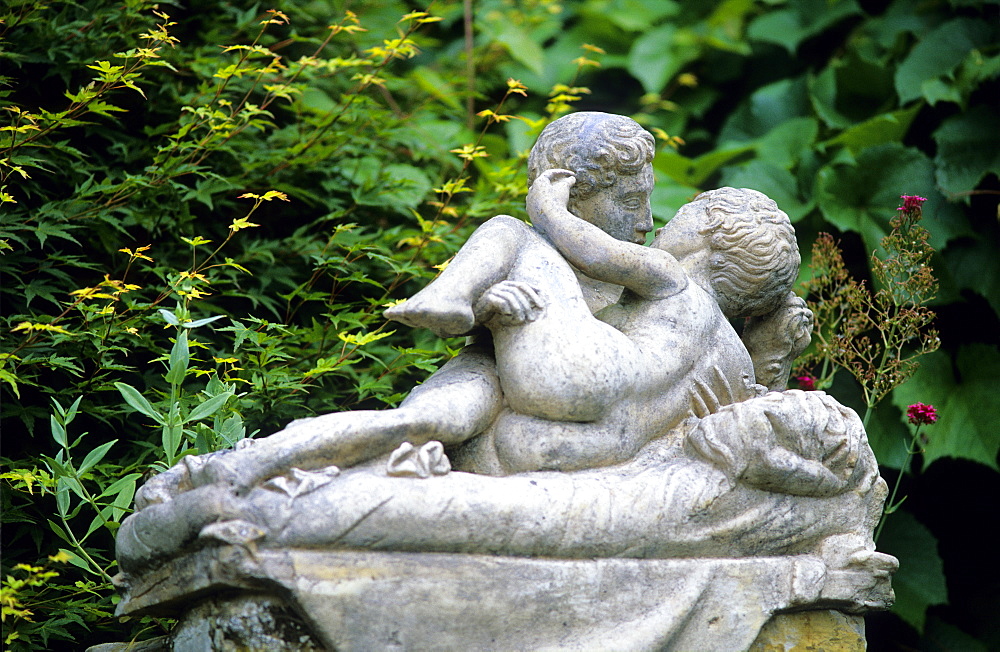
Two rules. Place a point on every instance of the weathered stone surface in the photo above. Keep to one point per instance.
(418, 601)
(607, 420)
(819, 631)
(238, 624)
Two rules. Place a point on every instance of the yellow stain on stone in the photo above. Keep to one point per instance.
(812, 631)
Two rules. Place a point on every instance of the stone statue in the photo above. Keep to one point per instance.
(611, 423)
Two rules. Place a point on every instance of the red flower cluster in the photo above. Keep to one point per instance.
(921, 414)
(807, 383)
(911, 203)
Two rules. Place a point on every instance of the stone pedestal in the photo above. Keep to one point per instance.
(812, 630)
(418, 601)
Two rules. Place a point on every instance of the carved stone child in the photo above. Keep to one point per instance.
(583, 392)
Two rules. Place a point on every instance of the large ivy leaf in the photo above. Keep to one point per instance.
(968, 148)
(522, 47)
(776, 182)
(968, 406)
(692, 172)
(885, 128)
(888, 437)
(936, 56)
(862, 195)
(660, 54)
(919, 582)
(786, 144)
(823, 95)
(638, 16)
(799, 21)
(974, 265)
(902, 16)
(768, 108)
(667, 198)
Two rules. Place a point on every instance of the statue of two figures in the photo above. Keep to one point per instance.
(608, 463)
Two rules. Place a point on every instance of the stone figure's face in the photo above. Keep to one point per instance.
(681, 237)
(621, 210)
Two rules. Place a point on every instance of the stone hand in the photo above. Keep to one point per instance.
(551, 188)
(509, 303)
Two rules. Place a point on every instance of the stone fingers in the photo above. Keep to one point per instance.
(514, 302)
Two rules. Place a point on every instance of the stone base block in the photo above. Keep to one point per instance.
(427, 601)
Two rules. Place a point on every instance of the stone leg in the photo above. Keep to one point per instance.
(459, 401)
(446, 305)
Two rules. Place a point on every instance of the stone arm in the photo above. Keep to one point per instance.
(650, 273)
(776, 339)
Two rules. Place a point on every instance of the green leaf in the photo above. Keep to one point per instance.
(522, 47)
(968, 149)
(62, 496)
(59, 531)
(638, 16)
(58, 432)
(919, 582)
(667, 198)
(95, 456)
(767, 109)
(180, 357)
(692, 172)
(123, 501)
(786, 144)
(120, 485)
(800, 21)
(169, 317)
(885, 128)
(208, 408)
(823, 94)
(171, 440)
(45, 230)
(888, 437)
(661, 53)
(968, 407)
(862, 195)
(974, 265)
(776, 182)
(938, 54)
(201, 322)
(948, 637)
(139, 402)
(431, 83)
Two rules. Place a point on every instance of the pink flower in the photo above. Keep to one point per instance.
(807, 383)
(921, 414)
(911, 203)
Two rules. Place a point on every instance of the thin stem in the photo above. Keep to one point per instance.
(80, 550)
(470, 67)
(890, 505)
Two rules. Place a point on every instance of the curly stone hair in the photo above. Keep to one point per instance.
(755, 257)
(596, 147)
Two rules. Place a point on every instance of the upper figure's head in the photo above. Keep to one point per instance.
(745, 245)
(610, 156)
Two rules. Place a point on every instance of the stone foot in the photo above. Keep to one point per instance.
(190, 473)
(446, 317)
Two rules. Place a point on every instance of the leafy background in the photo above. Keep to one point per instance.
(330, 170)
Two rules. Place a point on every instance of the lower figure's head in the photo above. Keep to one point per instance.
(610, 157)
(754, 257)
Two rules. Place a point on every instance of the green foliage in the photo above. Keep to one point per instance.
(203, 215)
(919, 582)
